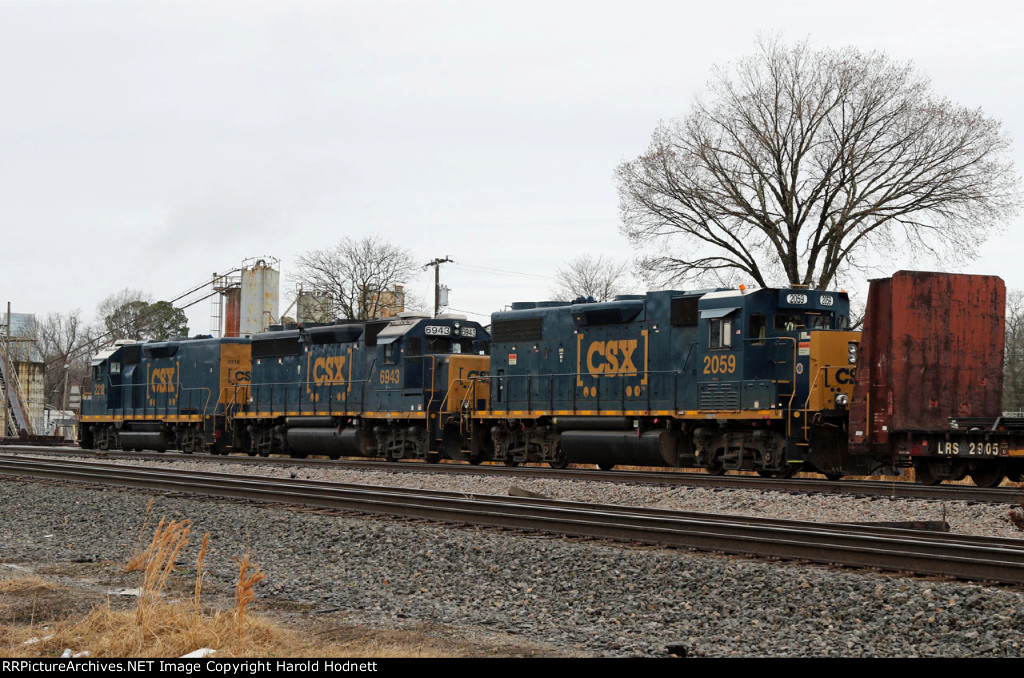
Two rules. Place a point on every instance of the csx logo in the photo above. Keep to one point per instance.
(239, 377)
(611, 358)
(163, 380)
(844, 375)
(329, 370)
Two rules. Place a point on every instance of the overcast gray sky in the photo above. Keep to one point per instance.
(149, 144)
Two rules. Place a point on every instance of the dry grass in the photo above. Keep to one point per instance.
(28, 584)
(161, 628)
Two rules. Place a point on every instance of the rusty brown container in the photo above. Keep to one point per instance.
(233, 312)
(931, 349)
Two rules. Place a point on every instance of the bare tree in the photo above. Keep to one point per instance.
(60, 339)
(358, 276)
(1013, 365)
(802, 163)
(588, 276)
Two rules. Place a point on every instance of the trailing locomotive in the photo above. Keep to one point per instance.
(164, 395)
(768, 380)
(394, 389)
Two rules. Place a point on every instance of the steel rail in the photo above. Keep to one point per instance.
(998, 560)
(866, 488)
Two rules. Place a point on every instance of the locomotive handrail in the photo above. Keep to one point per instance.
(258, 394)
(123, 411)
(792, 392)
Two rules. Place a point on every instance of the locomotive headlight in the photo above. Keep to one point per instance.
(842, 400)
(851, 352)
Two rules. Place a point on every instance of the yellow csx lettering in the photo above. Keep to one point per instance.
(163, 380)
(329, 370)
(611, 358)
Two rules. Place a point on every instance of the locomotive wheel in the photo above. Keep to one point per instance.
(433, 457)
(716, 470)
(834, 476)
(509, 461)
(924, 474)
(560, 461)
(990, 476)
(606, 466)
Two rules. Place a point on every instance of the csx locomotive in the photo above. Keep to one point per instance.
(767, 380)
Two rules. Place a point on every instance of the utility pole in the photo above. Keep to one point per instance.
(436, 263)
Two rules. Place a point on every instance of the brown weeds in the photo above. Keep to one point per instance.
(248, 576)
(1016, 515)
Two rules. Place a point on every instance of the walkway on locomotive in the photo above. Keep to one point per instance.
(395, 369)
(690, 355)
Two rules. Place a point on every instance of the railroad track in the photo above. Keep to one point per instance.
(869, 488)
(930, 553)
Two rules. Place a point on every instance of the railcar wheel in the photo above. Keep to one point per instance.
(924, 474)
(560, 461)
(716, 470)
(990, 476)
(509, 461)
(834, 476)
(606, 466)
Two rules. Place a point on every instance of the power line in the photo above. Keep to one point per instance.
(499, 271)
(462, 310)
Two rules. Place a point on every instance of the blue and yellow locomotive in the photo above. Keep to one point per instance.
(393, 388)
(161, 395)
(722, 379)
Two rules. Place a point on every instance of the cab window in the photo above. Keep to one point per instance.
(720, 333)
(787, 322)
(819, 321)
(756, 328)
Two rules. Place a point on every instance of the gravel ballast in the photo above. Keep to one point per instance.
(587, 598)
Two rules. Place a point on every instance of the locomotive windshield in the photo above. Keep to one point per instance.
(787, 322)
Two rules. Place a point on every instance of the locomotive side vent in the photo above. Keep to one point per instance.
(524, 329)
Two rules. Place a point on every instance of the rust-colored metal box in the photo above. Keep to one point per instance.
(931, 349)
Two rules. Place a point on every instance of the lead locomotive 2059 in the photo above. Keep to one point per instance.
(767, 380)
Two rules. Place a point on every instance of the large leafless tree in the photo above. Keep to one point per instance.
(1013, 366)
(597, 277)
(358, 276)
(800, 165)
(63, 340)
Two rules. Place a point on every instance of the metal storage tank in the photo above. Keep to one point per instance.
(313, 307)
(260, 297)
(232, 311)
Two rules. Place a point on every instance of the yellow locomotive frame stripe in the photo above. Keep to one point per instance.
(307, 413)
(683, 414)
(144, 417)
